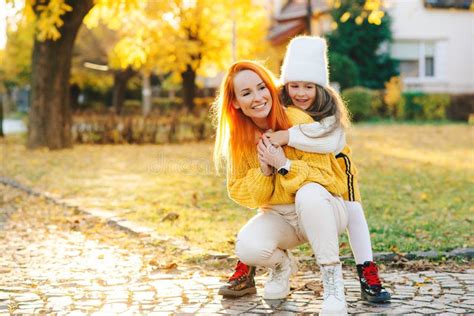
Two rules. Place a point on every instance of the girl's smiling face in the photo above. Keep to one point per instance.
(302, 93)
(252, 96)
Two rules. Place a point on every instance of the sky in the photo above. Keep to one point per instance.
(3, 24)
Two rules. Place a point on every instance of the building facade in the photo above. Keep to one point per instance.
(434, 42)
(432, 39)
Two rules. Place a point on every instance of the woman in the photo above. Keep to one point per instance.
(297, 193)
(305, 79)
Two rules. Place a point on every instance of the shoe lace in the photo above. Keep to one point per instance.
(241, 269)
(371, 274)
(275, 275)
(329, 284)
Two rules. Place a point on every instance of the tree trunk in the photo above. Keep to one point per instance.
(146, 93)
(189, 87)
(121, 78)
(1, 117)
(50, 114)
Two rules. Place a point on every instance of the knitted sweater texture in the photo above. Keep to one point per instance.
(247, 185)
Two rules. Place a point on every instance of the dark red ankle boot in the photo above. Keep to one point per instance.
(241, 283)
(370, 285)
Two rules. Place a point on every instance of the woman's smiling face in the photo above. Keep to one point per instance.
(302, 93)
(252, 96)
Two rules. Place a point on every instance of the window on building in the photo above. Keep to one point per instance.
(409, 68)
(417, 58)
(429, 67)
(449, 4)
(428, 49)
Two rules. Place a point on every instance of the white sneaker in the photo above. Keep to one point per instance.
(334, 299)
(277, 285)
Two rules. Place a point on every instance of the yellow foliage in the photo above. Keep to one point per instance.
(17, 54)
(170, 36)
(345, 17)
(375, 17)
(372, 5)
(393, 97)
(83, 77)
(336, 4)
(50, 19)
(113, 13)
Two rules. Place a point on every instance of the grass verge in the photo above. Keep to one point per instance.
(416, 182)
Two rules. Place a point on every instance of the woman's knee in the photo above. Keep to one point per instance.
(253, 252)
(258, 240)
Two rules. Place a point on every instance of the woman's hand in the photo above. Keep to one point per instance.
(278, 138)
(269, 154)
(267, 170)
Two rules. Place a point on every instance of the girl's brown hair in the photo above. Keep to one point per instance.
(327, 103)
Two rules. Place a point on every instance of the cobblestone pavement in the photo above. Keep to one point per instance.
(55, 262)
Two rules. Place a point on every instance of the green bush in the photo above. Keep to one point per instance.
(421, 106)
(413, 109)
(434, 106)
(361, 102)
(166, 105)
(377, 104)
(343, 70)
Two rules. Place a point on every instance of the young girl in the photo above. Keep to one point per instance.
(306, 86)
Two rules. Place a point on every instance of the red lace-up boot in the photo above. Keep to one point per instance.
(241, 283)
(370, 285)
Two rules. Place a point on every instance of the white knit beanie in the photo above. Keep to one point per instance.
(306, 60)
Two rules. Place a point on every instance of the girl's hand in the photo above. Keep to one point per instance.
(279, 138)
(273, 156)
(267, 170)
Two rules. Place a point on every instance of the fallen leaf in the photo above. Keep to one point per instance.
(170, 217)
(101, 282)
(194, 199)
(154, 262)
(169, 266)
(185, 299)
(163, 266)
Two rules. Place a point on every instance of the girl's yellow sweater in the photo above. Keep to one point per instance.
(247, 185)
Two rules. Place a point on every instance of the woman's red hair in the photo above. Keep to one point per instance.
(235, 132)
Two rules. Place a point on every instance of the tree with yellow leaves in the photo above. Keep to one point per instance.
(182, 37)
(191, 37)
(56, 25)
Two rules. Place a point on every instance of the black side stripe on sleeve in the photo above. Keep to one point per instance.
(350, 176)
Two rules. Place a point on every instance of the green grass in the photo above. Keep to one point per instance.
(416, 182)
(17, 115)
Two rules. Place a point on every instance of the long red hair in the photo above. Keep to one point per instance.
(235, 132)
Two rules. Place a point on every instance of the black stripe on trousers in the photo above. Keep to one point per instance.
(350, 176)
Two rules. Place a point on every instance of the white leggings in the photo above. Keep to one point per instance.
(359, 235)
(316, 216)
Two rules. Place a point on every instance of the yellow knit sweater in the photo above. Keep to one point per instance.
(247, 185)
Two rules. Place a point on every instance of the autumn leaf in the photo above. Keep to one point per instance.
(101, 282)
(170, 217)
(163, 266)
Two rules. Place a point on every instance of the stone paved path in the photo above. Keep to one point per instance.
(52, 265)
